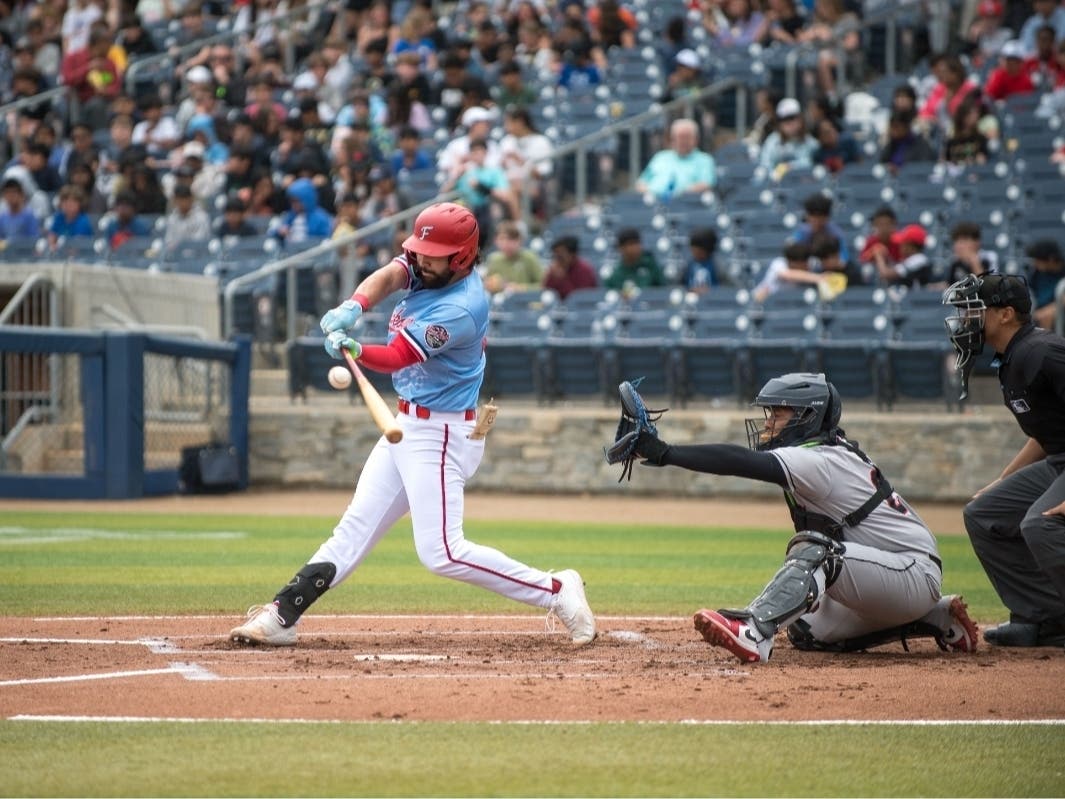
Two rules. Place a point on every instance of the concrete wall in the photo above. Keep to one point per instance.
(926, 456)
(182, 302)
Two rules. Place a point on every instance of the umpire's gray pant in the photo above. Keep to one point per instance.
(1022, 551)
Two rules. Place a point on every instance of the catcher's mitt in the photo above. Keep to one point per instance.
(636, 418)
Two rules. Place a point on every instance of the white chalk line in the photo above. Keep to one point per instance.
(560, 723)
(189, 671)
(426, 617)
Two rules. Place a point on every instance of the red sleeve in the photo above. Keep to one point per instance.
(996, 84)
(390, 358)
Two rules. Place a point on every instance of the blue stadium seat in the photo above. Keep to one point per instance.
(851, 351)
(920, 359)
(644, 346)
(711, 360)
(577, 363)
(514, 359)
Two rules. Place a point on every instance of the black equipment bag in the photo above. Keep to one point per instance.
(209, 469)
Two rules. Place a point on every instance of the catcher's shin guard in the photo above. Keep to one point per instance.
(795, 587)
(303, 590)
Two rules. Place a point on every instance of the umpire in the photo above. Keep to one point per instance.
(1017, 523)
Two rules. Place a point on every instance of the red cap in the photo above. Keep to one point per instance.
(911, 234)
(990, 8)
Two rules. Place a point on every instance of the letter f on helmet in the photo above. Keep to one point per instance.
(446, 229)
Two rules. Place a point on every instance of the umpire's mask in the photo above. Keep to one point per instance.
(965, 326)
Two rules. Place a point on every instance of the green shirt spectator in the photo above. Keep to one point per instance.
(512, 266)
(636, 266)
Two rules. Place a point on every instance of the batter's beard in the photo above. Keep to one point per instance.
(431, 281)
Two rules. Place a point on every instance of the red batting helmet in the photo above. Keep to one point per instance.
(445, 229)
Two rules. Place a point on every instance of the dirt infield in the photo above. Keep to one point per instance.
(493, 668)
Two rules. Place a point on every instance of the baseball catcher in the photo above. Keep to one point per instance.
(862, 569)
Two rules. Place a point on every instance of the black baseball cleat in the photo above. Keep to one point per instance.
(1027, 634)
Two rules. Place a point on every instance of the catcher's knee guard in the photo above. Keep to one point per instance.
(303, 590)
(793, 588)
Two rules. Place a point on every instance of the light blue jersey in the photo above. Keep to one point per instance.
(447, 328)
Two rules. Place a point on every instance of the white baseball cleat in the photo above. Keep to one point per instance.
(571, 606)
(733, 635)
(963, 634)
(264, 626)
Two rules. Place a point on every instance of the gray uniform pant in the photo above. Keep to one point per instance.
(1022, 551)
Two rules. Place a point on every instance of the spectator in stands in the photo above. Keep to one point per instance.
(1044, 12)
(986, 34)
(17, 221)
(567, 270)
(125, 224)
(951, 88)
(734, 23)
(831, 264)
(207, 181)
(239, 173)
(134, 38)
(352, 257)
(261, 95)
(784, 23)
(534, 46)
(966, 145)
(411, 79)
(1044, 66)
(233, 222)
(186, 221)
(904, 145)
(686, 76)
(486, 46)
(376, 25)
(83, 175)
(77, 24)
(511, 267)
(410, 155)
(34, 157)
(144, 184)
(836, 147)
(701, 273)
(93, 77)
(385, 199)
(82, 147)
(579, 72)
(70, 220)
(414, 37)
(1046, 272)
(681, 169)
(612, 25)
(449, 88)
(832, 28)
(119, 141)
(817, 210)
(636, 267)
(404, 112)
(47, 56)
(880, 243)
(512, 91)
(295, 150)
(525, 154)
(765, 122)
(58, 151)
(200, 99)
(480, 184)
(969, 258)
(915, 267)
(156, 132)
(1010, 76)
(789, 146)
(477, 121)
(305, 219)
(790, 268)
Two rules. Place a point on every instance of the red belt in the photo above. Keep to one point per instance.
(405, 406)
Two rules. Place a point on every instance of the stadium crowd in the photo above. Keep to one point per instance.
(297, 122)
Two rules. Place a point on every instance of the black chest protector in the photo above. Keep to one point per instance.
(805, 519)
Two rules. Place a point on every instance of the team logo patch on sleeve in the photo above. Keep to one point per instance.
(436, 336)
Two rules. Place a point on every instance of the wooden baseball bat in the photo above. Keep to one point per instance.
(382, 416)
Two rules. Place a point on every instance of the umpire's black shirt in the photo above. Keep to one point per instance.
(1032, 375)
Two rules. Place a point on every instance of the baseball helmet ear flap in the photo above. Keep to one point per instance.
(446, 229)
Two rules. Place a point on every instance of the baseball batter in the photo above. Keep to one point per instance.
(435, 353)
(862, 568)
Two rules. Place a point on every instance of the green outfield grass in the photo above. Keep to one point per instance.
(97, 563)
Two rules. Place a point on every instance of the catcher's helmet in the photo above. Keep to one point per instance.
(445, 229)
(817, 410)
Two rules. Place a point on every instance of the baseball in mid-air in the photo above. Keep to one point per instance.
(339, 378)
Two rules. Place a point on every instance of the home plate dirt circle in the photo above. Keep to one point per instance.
(493, 668)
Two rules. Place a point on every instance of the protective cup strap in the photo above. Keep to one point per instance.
(793, 589)
(303, 590)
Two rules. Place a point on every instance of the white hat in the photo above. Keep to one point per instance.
(788, 107)
(199, 74)
(305, 81)
(1014, 48)
(193, 149)
(477, 114)
(689, 58)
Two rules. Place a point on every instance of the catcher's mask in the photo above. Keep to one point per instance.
(817, 411)
(970, 298)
